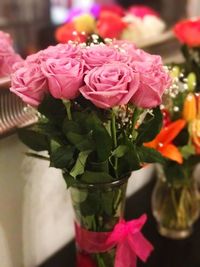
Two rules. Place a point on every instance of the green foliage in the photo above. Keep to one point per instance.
(96, 177)
(33, 138)
(90, 144)
(187, 151)
(61, 156)
(53, 109)
(150, 155)
(150, 127)
(79, 166)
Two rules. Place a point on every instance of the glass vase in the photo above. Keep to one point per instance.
(98, 208)
(175, 206)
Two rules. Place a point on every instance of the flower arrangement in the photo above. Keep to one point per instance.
(91, 93)
(8, 57)
(98, 103)
(177, 203)
(111, 21)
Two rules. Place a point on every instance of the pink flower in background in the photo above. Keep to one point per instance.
(7, 63)
(97, 55)
(110, 85)
(29, 83)
(6, 38)
(7, 57)
(141, 11)
(64, 76)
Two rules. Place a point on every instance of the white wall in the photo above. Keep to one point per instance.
(11, 197)
(35, 211)
(193, 8)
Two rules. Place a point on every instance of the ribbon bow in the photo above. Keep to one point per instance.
(126, 237)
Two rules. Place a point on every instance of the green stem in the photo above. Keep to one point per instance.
(67, 104)
(114, 136)
(100, 261)
(136, 113)
(174, 200)
(182, 215)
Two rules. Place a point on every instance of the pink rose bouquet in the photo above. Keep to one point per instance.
(8, 57)
(89, 87)
(98, 104)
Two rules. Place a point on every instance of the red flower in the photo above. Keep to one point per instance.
(84, 260)
(117, 9)
(67, 32)
(188, 32)
(141, 11)
(110, 25)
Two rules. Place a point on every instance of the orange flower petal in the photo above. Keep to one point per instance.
(171, 152)
(168, 133)
(152, 144)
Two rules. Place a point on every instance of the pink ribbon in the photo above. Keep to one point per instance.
(126, 237)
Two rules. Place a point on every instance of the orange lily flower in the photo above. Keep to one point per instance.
(163, 141)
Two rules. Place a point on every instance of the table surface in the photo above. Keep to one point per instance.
(167, 253)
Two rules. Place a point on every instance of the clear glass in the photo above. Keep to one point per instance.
(175, 207)
(98, 208)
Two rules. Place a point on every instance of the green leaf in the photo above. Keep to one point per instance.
(70, 181)
(151, 126)
(75, 136)
(79, 166)
(149, 155)
(37, 156)
(187, 151)
(98, 166)
(61, 156)
(71, 126)
(101, 137)
(103, 143)
(33, 138)
(91, 205)
(78, 195)
(53, 109)
(52, 130)
(81, 142)
(107, 202)
(96, 177)
(130, 160)
(120, 151)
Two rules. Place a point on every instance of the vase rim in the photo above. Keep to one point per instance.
(101, 185)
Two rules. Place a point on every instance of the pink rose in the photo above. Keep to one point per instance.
(110, 85)
(153, 79)
(65, 76)
(29, 83)
(97, 55)
(139, 55)
(128, 46)
(7, 58)
(55, 52)
(7, 63)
